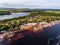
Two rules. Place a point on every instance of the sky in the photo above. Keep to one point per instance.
(50, 4)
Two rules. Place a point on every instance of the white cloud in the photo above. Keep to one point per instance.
(30, 3)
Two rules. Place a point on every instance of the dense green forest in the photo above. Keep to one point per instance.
(35, 16)
(5, 12)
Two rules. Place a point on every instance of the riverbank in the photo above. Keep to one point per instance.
(5, 12)
(32, 27)
(27, 29)
(36, 27)
(34, 23)
(33, 17)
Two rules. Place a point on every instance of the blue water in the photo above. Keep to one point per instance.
(41, 38)
(4, 41)
(54, 41)
(47, 37)
(13, 15)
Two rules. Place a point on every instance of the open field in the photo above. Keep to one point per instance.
(53, 11)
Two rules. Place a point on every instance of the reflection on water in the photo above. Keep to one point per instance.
(39, 38)
(42, 38)
(13, 15)
(4, 41)
(54, 40)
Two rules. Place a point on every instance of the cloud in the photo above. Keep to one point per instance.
(30, 3)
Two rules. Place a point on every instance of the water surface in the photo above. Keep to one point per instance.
(13, 15)
(41, 38)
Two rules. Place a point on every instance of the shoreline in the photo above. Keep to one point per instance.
(30, 27)
(38, 26)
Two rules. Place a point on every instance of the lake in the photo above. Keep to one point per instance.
(13, 15)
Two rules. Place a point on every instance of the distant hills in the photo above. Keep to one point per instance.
(7, 8)
(28, 9)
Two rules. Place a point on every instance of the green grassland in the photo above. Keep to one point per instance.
(53, 11)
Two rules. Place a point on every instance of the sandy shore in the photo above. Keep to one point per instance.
(32, 27)
(38, 26)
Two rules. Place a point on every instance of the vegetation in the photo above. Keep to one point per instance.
(35, 16)
(4, 12)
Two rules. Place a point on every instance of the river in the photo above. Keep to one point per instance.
(47, 37)
(13, 15)
(41, 38)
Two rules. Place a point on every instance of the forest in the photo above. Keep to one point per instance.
(34, 17)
